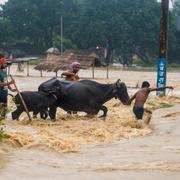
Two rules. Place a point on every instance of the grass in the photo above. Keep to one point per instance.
(164, 105)
(139, 62)
(153, 106)
(3, 134)
(36, 62)
(173, 66)
(139, 65)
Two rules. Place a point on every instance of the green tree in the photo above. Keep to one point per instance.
(67, 43)
(174, 34)
(33, 20)
(124, 26)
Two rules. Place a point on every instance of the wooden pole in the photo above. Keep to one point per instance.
(163, 41)
(22, 100)
(93, 70)
(27, 68)
(178, 22)
(9, 69)
(61, 35)
(107, 72)
(163, 46)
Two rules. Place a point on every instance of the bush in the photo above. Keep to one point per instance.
(3, 134)
(67, 43)
(173, 65)
(35, 62)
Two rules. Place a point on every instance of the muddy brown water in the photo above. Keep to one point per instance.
(152, 151)
(78, 147)
(154, 156)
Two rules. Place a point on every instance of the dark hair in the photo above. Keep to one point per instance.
(145, 84)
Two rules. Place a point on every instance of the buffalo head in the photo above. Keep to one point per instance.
(121, 92)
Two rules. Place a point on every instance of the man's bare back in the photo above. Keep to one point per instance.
(141, 96)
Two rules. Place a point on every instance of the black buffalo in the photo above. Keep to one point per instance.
(37, 102)
(86, 95)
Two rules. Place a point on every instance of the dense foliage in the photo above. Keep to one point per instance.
(126, 27)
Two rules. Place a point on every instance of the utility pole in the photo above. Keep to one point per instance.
(178, 22)
(163, 46)
(61, 34)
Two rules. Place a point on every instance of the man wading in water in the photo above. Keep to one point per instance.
(4, 86)
(140, 98)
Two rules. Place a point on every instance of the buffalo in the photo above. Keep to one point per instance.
(37, 102)
(85, 95)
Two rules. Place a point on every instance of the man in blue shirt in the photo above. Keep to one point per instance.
(4, 86)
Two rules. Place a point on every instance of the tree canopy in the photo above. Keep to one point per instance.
(126, 27)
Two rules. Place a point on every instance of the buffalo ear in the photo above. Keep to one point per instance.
(118, 83)
(119, 80)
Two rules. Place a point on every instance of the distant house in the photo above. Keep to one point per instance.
(56, 61)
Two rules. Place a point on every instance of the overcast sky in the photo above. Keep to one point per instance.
(2, 1)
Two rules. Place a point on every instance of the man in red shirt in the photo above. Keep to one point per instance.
(72, 74)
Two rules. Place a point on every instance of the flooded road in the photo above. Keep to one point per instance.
(155, 156)
(78, 147)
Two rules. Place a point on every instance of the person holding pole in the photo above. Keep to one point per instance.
(4, 86)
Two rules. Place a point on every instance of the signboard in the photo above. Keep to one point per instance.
(161, 75)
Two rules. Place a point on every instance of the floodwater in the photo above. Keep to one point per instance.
(80, 147)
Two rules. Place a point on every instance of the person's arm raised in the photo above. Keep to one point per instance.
(161, 88)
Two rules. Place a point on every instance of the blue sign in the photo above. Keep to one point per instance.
(161, 75)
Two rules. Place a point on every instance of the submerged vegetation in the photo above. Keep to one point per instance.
(162, 102)
(3, 134)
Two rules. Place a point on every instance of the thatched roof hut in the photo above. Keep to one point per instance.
(56, 62)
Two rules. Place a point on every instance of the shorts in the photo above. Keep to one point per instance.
(3, 96)
(138, 111)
